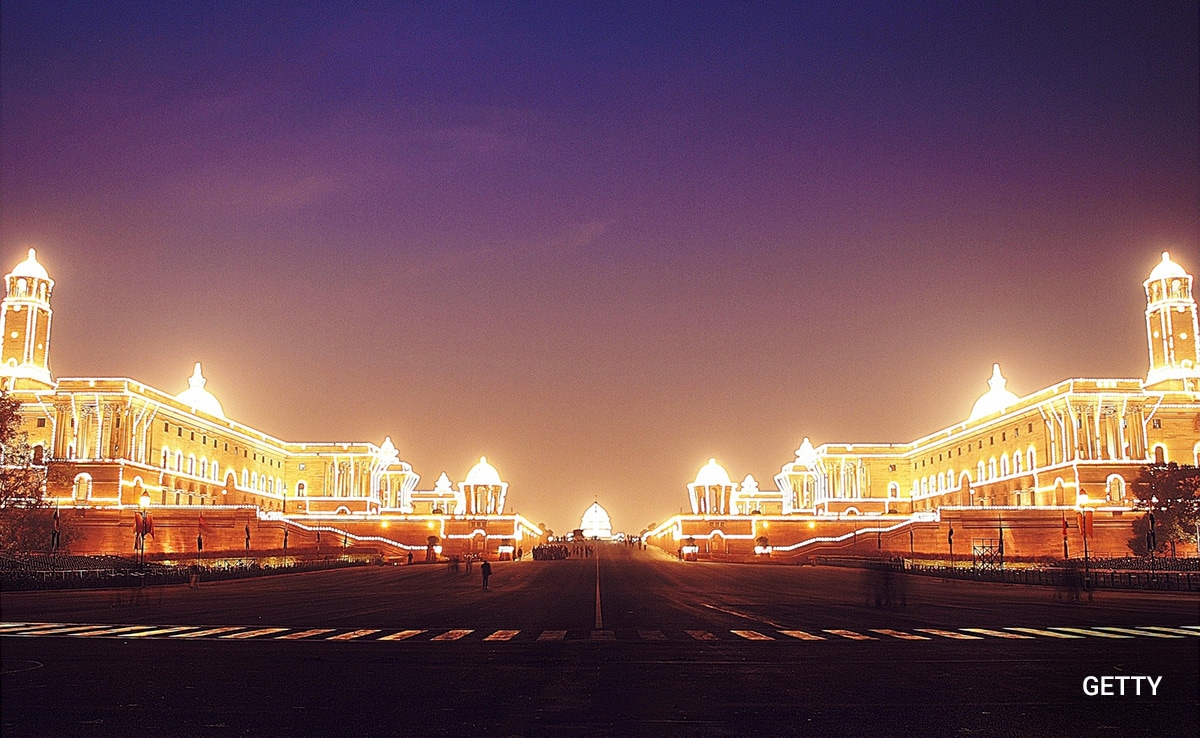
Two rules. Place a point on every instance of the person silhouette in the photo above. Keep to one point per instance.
(486, 570)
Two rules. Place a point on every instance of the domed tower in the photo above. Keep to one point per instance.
(1171, 328)
(484, 490)
(25, 326)
(711, 492)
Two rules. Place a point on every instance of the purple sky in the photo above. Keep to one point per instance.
(599, 245)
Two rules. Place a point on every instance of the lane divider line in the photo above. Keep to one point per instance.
(160, 631)
(1132, 632)
(209, 632)
(951, 634)
(701, 635)
(1177, 631)
(652, 635)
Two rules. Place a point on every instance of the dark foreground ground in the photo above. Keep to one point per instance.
(638, 644)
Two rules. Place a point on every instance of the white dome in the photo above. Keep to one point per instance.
(749, 485)
(483, 473)
(806, 455)
(712, 474)
(995, 399)
(1165, 269)
(443, 485)
(596, 522)
(30, 268)
(198, 398)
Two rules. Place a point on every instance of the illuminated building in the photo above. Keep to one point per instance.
(596, 523)
(113, 439)
(1076, 444)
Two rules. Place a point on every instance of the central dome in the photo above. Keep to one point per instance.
(198, 398)
(712, 474)
(483, 473)
(995, 399)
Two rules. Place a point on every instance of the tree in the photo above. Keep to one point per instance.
(1168, 493)
(26, 521)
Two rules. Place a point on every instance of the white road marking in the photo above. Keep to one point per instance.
(160, 631)
(651, 635)
(950, 634)
(1177, 631)
(552, 635)
(1086, 632)
(702, 635)
(1047, 633)
(852, 635)
(303, 634)
(254, 633)
(802, 635)
(355, 634)
(899, 634)
(502, 635)
(997, 633)
(209, 632)
(603, 635)
(752, 635)
(402, 635)
(451, 635)
(1133, 632)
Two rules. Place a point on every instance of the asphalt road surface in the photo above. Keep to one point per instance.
(624, 643)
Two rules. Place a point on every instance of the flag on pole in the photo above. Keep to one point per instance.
(148, 525)
(1001, 536)
(138, 526)
(950, 536)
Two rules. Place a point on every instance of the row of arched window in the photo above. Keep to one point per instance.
(1021, 462)
(211, 470)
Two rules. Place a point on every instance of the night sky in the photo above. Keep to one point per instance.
(599, 245)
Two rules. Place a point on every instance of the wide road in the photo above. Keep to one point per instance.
(624, 643)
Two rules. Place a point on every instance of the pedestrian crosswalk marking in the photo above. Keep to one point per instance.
(57, 631)
(241, 632)
(402, 635)
(1132, 632)
(950, 634)
(1047, 633)
(160, 631)
(752, 635)
(802, 635)
(899, 634)
(101, 631)
(305, 634)
(1177, 631)
(209, 632)
(851, 635)
(997, 633)
(502, 635)
(1087, 632)
(451, 635)
(355, 634)
(254, 633)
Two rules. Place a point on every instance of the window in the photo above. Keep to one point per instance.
(1003, 437)
(179, 432)
(891, 467)
(193, 435)
(1156, 423)
(1031, 427)
(41, 422)
(166, 427)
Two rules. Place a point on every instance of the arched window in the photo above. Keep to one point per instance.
(949, 479)
(1016, 462)
(254, 480)
(1004, 466)
(302, 489)
(1160, 455)
(166, 457)
(1032, 458)
(178, 461)
(191, 464)
(992, 468)
(245, 479)
(979, 472)
(1115, 488)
